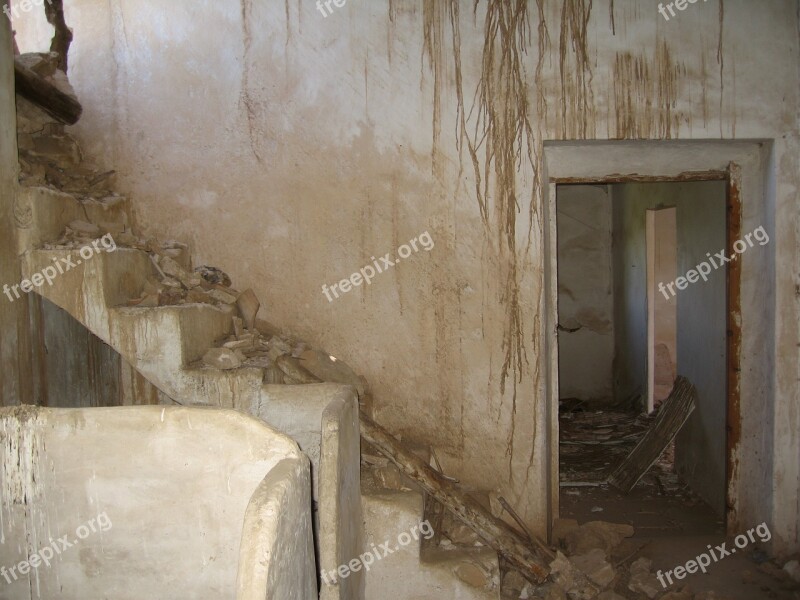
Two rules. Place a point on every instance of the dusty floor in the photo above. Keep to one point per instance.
(672, 524)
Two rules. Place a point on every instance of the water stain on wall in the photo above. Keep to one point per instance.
(577, 114)
(646, 94)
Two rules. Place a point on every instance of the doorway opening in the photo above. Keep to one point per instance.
(629, 322)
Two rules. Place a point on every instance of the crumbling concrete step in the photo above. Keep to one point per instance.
(159, 342)
(390, 518)
(41, 214)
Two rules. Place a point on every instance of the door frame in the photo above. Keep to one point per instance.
(730, 172)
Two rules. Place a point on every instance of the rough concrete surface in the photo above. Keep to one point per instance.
(153, 500)
(334, 139)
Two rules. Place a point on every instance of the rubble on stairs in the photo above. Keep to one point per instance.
(48, 155)
(283, 358)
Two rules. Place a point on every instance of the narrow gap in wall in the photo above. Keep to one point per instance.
(627, 327)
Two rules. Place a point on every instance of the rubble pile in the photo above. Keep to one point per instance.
(48, 155)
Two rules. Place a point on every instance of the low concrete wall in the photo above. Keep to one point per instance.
(340, 513)
(147, 502)
(323, 419)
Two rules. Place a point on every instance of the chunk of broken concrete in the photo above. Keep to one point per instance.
(195, 296)
(248, 306)
(326, 368)
(293, 369)
(222, 358)
(595, 566)
(243, 344)
(642, 581)
(793, 569)
(577, 585)
(222, 296)
(596, 534)
(213, 275)
(170, 267)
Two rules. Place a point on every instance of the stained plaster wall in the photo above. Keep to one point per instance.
(14, 340)
(585, 298)
(701, 318)
(289, 148)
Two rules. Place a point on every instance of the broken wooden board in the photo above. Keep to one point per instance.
(672, 416)
(45, 95)
(531, 559)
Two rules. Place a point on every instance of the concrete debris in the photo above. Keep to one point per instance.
(595, 566)
(642, 581)
(173, 269)
(222, 358)
(244, 343)
(294, 370)
(278, 347)
(561, 527)
(248, 307)
(213, 275)
(221, 296)
(326, 368)
(197, 296)
(596, 534)
(568, 577)
(793, 569)
(513, 585)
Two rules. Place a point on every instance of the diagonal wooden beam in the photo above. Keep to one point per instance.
(45, 95)
(672, 416)
(530, 561)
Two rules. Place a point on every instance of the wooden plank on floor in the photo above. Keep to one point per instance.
(672, 416)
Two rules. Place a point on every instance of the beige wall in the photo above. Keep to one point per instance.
(289, 148)
(701, 318)
(585, 298)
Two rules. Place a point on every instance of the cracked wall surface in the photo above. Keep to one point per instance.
(291, 147)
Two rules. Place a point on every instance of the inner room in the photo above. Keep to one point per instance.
(630, 323)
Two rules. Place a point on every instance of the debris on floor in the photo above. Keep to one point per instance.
(670, 418)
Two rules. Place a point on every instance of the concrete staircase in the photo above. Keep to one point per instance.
(412, 572)
(165, 344)
(397, 519)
